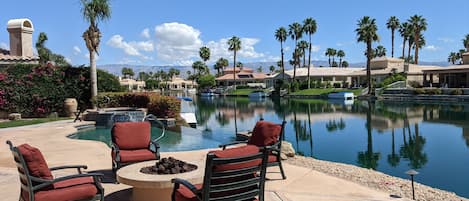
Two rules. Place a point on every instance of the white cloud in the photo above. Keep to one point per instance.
(76, 50)
(446, 40)
(132, 48)
(315, 48)
(220, 49)
(431, 48)
(177, 43)
(339, 44)
(68, 60)
(145, 33)
(4, 46)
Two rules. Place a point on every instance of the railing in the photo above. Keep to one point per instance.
(152, 118)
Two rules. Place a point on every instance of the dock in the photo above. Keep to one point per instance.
(190, 119)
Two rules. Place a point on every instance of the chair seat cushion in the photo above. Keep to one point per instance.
(272, 158)
(184, 194)
(73, 182)
(132, 135)
(136, 155)
(265, 133)
(74, 192)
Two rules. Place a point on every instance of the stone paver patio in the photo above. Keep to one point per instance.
(301, 184)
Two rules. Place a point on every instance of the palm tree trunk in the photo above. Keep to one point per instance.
(340, 61)
(392, 43)
(309, 63)
(368, 67)
(234, 70)
(417, 45)
(93, 77)
(408, 51)
(403, 48)
(304, 58)
(282, 65)
(330, 61)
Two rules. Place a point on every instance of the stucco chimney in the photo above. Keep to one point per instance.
(21, 37)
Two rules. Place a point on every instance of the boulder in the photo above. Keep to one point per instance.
(14, 116)
(287, 149)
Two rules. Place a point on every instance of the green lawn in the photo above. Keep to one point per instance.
(24, 122)
(242, 91)
(325, 91)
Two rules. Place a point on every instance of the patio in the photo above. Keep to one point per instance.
(301, 183)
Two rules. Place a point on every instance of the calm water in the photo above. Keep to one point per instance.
(389, 137)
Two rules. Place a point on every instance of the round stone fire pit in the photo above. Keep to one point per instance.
(169, 165)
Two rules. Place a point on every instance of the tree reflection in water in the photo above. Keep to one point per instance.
(368, 158)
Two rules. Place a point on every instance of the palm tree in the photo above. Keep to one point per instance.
(380, 51)
(204, 53)
(272, 69)
(221, 64)
(405, 31)
(460, 55)
(393, 24)
(198, 66)
(419, 25)
(453, 56)
(281, 36)
(309, 27)
(296, 60)
(367, 33)
(94, 11)
(465, 42)
(345, 64)
(340, 54)
(329, 52)
(295, 30)
(303, 45)
(333, 54)
(234, 45)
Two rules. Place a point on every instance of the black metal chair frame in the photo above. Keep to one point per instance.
(153, 147)
(40, 184)
(208, 187)
(276, 149)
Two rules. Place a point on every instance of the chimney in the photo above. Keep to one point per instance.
(465, 58)
(21, 37)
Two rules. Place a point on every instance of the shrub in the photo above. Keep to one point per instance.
(206, 81)
(419, 91)
(433, 91)
(415, 84)
(456, 92)
(336, 85)
(164, 106)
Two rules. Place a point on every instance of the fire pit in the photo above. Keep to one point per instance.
(169, 165)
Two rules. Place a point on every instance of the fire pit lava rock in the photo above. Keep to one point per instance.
(169, 165)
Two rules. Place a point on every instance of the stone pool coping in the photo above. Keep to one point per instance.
(301, 183)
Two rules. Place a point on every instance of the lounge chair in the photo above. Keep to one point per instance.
(38, 184)
(230, 175)
(267, 134)
(131, 143)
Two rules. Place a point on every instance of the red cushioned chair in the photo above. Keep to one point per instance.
(267, 134)
(38, 184)
(230, 175)
(131, 143)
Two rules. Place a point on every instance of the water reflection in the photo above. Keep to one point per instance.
(388, 136)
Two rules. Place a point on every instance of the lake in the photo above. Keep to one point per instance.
(391, 137)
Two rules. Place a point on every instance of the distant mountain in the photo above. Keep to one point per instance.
(117, 68)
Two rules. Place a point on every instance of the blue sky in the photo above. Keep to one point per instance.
(171, 32)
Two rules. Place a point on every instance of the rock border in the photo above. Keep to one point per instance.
(376, 180)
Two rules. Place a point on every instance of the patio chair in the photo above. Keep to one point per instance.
(38, 184)
(267, 134)
(131, 143)
(230, 175)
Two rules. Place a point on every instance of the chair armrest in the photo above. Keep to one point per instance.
(223, 146)
(185, 183)
(156, 148)
(115, 149)
(78, 167)
(97, 177)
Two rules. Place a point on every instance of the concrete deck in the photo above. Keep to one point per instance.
(301, 184)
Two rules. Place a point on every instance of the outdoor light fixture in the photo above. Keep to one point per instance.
(412, 172)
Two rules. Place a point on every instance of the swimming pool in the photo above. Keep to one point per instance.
(177, 138)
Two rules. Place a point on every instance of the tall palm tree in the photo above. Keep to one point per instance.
(221, 64)
(281, 36)
(419, 24)
(204, 53)
(94, 11)
(303, 45)
(333, 54)
(404, 30)
(309, 27)
(295, 30)
(234, 45)
(340, 54)
(329, 52)
(393, 24)
(460, 54)
(296, 60)
(367, 33)
(465, 42)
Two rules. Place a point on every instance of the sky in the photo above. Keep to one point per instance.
(156, 32)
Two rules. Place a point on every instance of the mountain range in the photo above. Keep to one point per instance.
(116, 69)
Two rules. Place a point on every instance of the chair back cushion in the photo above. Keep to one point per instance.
(35, 162)
(236, 153)
(131, 135)
(265, 133)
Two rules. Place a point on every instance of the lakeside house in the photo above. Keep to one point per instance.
(244, 76)
(178, 83)
(456, 76)
(21, 44)
(131, 84)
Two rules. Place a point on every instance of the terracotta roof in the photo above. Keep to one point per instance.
(5, 57)
(243, 76)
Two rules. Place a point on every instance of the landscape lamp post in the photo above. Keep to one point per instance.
(412, 172)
